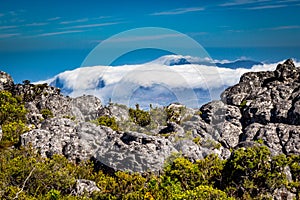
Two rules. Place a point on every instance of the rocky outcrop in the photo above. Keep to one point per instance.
(85, 108)
(6, 81)
(280, 138)
(262, 106)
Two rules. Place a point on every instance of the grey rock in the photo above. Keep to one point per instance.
(6, 81)
(172, 127)
(85, 187)
(41, 96)
(271, 97)
(281, 138)
(119, 112)
(86, 108)
(135, 152)
(283, 194)
(225, 122)
(128, 151)
(293, 114)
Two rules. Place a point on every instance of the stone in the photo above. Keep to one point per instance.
(225, 122)
(86, 108)
(85, 187)
(6, 81)
(281, 138)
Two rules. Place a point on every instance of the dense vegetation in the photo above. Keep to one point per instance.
(250, 173)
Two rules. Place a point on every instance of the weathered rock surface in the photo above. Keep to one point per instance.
(86, 187)
(225, 122)
(281, 138)
(6, 81)
(86, 108)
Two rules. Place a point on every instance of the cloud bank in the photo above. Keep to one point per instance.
(159, 82)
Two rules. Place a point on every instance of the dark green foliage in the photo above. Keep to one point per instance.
(11, 133)
(46, 113)
(249, 174)
(107, 121)
(139, 117)
(203, 172)
(11, 108)
(42, 176)
(12, 118)
(252, 172)
(294, 164)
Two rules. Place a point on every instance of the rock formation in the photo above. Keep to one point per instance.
(263, 106)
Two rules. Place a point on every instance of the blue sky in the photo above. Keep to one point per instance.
(41, 38)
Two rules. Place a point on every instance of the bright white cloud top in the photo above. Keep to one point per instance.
(174, 78)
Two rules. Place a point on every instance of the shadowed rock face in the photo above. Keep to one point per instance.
(263, 105)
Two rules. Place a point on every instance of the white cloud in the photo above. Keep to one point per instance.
(123, 81)
(92, 25)
(243, 2)
(75, 21)
(9, 35)
(179, 11)
(59, 33)
(283, 27)
(145, 38)
(36, 24)
(7, 27)
(266, 7)
(53, 18)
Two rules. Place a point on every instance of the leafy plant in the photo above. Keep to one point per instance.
(107, 121)
(139, 117)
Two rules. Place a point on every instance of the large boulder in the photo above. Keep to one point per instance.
(225, 122)
(128, 151)
(135, 152)
(6, 81)
(86, 108)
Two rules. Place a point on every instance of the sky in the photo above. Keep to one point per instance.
(39, 39)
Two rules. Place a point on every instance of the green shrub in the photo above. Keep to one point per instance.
(107, 121)
(197, 140)
(205, 192)
(46, 113)
(11, 133)
(175, 113)
(252, 172)
(40, 176)
(12, 108)
(139, 117)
